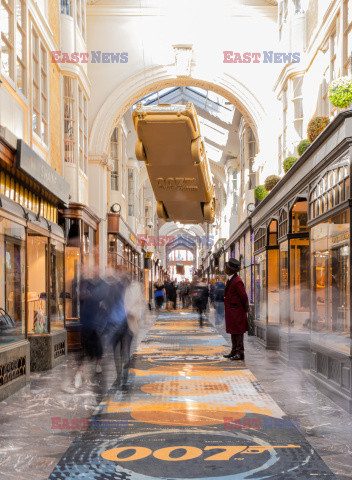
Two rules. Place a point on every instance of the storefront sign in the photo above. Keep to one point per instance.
(133, 238)
(148, 255)
(32, 164)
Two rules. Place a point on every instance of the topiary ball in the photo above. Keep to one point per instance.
(340, 92)
(260, 192)
(302, 147)
(316, 126)
(270, 182)
(288, 162)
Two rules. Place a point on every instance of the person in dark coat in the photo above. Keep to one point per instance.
(236, 308)
(201, 298)
(172, 294)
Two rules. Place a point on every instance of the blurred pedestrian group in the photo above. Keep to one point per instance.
(111, 312)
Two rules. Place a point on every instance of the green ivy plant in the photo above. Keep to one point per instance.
(288, 162)
(302, 147)
(270, 182)
(340, 92)
(260, 192)
(316, 126)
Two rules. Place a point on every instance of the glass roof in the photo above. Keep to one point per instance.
(215, 114)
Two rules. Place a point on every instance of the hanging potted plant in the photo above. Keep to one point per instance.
(302, 147)
(288, 162)
(260, 193)
(270, 182)
(340, 92)
(316, 126)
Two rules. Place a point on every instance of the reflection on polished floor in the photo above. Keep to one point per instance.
(187, 413)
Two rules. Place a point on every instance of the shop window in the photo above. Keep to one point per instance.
(273, 233)
(273, 287)
(81, 16)
(72, 284)
(331, 303)
(283, 223)
(299, 217)
(260, 276)
(12, 284)
(57, 290)
(284, 284)
(331, 189)
(299, 284)
(260, 239)
(115, 160)
(69, 119)
(37, 259)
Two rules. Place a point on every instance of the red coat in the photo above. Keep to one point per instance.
(236, 306)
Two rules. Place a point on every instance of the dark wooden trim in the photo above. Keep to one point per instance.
(82, 212)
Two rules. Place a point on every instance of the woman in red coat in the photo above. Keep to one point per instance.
(236, 308)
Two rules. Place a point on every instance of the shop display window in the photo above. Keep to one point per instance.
(299, 217)
(57, 287)
(37, 259)
(273, 287)
(260, 287)
(273, 232)
(299, 284)
(72, 283)
(330, 281)
(284, 284)
(12, 284)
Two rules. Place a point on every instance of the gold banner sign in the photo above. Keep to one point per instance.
(133, 238)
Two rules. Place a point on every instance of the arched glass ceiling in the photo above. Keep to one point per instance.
(215, 114)
(207, 100)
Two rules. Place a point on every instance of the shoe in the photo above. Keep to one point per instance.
(229, 355)
(237, 356)
(98, 369)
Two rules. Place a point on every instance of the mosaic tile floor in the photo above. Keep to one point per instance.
(187, 413)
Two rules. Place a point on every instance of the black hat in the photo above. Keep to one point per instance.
(233, 264)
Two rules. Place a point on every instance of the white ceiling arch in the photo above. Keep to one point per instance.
(157, 78)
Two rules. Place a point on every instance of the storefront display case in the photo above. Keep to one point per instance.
(266, 284)
(45, 294)
(81, 258)
(330, 280)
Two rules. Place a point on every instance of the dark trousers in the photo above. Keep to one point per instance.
(237, 343)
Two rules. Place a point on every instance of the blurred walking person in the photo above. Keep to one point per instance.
(159, 294)
(92, 292)
(200, 298)
(236, 308)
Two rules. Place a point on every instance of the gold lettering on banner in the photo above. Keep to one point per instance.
(178, 183)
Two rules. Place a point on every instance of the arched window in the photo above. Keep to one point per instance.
(260, 239)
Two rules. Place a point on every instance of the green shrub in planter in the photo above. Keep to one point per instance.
(288, 162)
(316, 126)
(260, 192)
(270, 182)
(340, 92)
(302, 147)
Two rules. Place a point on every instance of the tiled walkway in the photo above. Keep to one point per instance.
(187, 413)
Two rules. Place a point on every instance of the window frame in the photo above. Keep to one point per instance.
(41, 84)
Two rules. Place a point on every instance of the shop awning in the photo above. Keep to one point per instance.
(12, 207)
